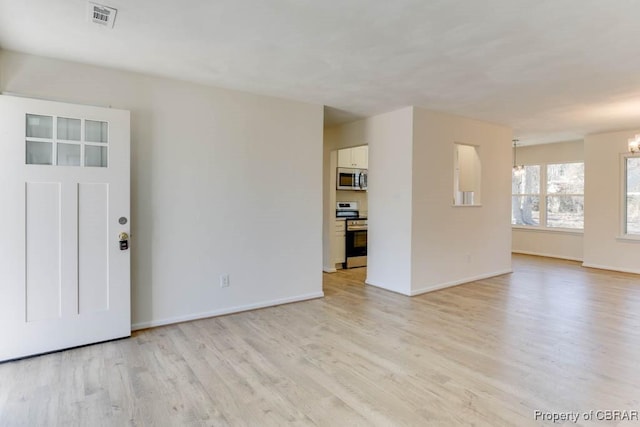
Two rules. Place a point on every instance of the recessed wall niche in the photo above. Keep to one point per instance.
(466, 175)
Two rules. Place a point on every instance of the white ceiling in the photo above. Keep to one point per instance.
(551, 69)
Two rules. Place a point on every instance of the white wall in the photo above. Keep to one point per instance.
(458, 244)
(551, 243)
(603, 204)
(418, 241)
(559, 152)
(211, 187)
(329, 162)
(389, 137)
(554, 244)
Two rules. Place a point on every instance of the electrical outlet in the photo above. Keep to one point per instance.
(468, 258)
(224, 281)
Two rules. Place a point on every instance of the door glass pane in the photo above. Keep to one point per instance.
(95, 131)
(95, 156)
(39, 153)
(69, 129)
(68, 155)
(39, 126)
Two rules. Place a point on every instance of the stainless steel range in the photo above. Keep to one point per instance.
(355, 234)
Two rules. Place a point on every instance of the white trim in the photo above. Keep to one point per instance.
(622, 195)
(631, 238)
(540, 229)
(547, 255)
(608, 267)
(439, 286)
(622, 192)
(67, 101)
(223, 311)
(395, 291)
(329, 269)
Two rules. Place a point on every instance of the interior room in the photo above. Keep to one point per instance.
(250, 213)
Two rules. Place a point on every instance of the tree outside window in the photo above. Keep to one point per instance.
(561, 196)
(565, 195)
(525, 190)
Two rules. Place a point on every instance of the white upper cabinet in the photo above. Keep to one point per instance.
(344, 158)
(360, 157)
(357, 157)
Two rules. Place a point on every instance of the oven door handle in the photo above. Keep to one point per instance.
(357, 228)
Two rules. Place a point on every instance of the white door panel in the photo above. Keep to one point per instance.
(64, 281)
(43, 248)
(93, 245)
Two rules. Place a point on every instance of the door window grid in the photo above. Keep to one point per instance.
(64, 141)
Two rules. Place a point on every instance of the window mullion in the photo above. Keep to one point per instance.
(543, 195)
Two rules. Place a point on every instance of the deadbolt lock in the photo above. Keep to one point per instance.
(124, 241)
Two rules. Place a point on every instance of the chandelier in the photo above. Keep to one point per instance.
(517, 169)
(634, 144)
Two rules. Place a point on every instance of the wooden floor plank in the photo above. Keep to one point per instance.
(551, 336)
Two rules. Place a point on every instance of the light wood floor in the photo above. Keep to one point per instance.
(552, 336)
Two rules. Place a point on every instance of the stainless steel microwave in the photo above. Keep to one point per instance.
(351, 179)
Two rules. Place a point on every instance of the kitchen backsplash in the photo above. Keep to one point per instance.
(354, 196)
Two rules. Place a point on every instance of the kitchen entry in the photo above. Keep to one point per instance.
(349, 243)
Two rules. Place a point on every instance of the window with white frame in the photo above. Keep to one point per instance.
(632, 195)
(559, 203)
(525, 189)
(565, 195)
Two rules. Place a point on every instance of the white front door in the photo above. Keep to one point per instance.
(64, 200)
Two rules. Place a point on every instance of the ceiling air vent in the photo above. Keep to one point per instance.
(102, 15)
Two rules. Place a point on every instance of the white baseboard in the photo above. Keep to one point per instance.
(386, 289)
(608, 267)
(546, 255)
(329, 269)
(223, 311)
(439, 286)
